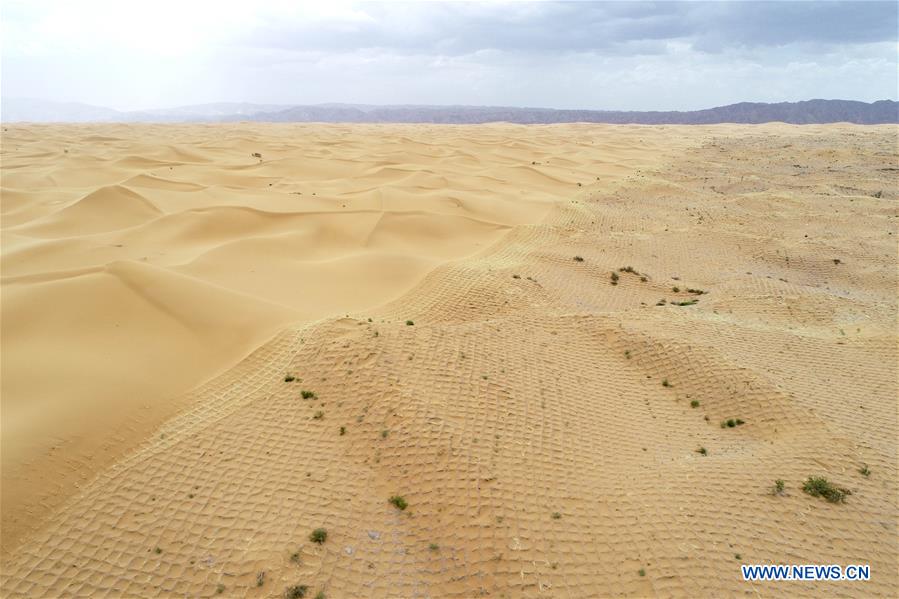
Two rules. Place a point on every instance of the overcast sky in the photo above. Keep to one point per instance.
(625, 55)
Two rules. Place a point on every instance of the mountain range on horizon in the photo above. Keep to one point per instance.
(805, 112)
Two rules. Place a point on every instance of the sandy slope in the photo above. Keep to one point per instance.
(141, 261)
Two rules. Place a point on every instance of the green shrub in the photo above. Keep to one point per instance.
(398, 502)
(409, 323)
(296, 592)
(319, 535)
(818, 486)
(308, 394)
(779, 487)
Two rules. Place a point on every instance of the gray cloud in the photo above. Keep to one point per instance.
(454, 29)
(616, 55)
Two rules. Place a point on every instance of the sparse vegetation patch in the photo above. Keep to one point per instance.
(685, 303)
(818, 486)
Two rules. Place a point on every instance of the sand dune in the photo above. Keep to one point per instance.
(159, 282)
(141, 261)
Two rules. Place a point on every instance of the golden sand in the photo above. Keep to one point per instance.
(159, 283)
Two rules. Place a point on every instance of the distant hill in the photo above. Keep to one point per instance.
(801, 113)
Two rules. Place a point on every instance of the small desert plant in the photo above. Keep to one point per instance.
(739, 422)
(675, 289)
(556, 515)
(864, 470)
(398, 502)
(298, 591)
(627, 354)
(409, 323)
(260, 579)
(641, 572)
(219, 589)
(157, 551)
(738, 556)
(779, 486)
(289, 378)
(702, 451)
(629, 269)
(695, 291)
(643, 279)
(516, 276)
(665, 383)
(318, 415)
(614, 278)
(256, 155)
(342, 431)
(319, 535)
(578, 259)
(818, 486)
(308, 394)
(694, 404)
(434, 547)
(661, 302)
(384, 433)
(295, 557)
(686, 303)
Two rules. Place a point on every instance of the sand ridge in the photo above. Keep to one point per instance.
(523, 415)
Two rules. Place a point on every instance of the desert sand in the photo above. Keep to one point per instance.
(533, 334)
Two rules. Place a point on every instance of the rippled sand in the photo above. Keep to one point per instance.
(159, 283)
